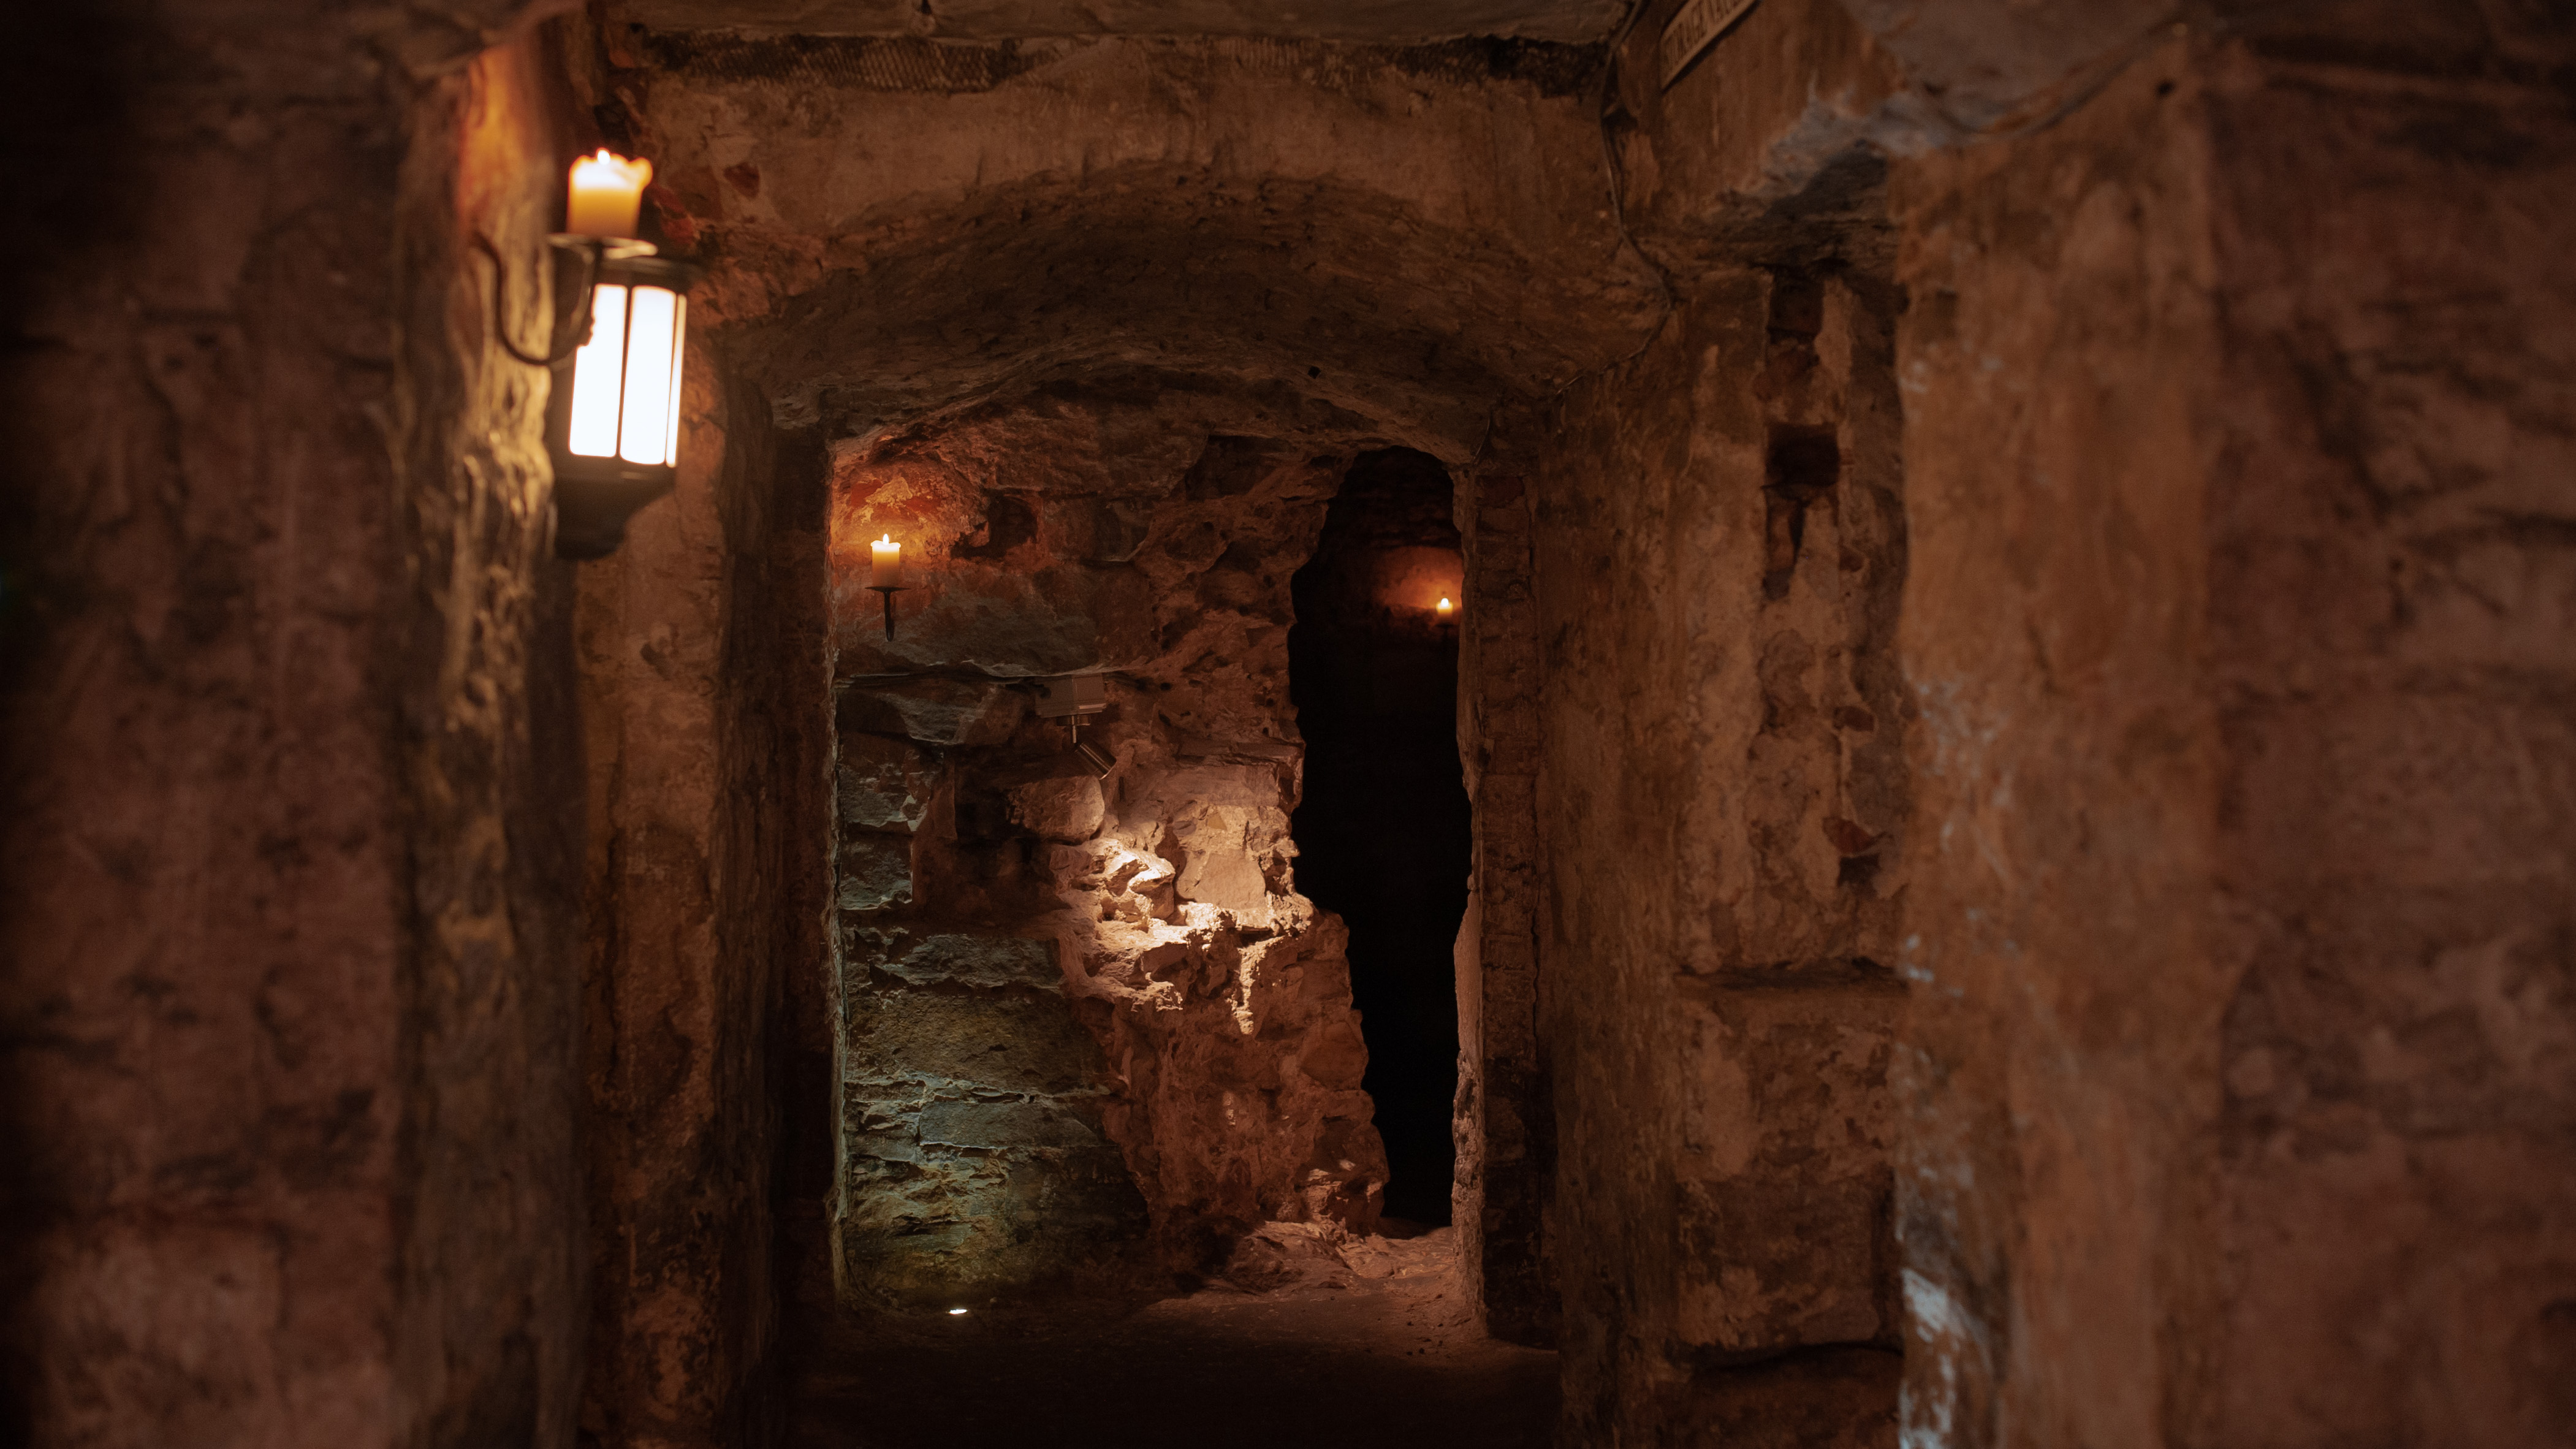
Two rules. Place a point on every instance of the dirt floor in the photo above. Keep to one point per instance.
(1350, 1345)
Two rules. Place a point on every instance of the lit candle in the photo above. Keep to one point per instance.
(1444, 608)
(885, 563)
(607, 195)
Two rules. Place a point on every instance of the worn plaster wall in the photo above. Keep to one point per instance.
(290, 892)
(1719, 541)
(1714, 537)
(2243, 953)
(2392, 531)
(1505, 1115)
(2070, 771)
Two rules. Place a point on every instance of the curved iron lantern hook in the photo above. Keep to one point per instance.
(594, 250)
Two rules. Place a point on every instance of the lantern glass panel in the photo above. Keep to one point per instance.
(595, 370)
(679, 363)
(644, 437)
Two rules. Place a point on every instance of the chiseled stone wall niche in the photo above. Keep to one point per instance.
(1088, 1029)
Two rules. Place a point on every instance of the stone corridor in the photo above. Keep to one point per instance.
(1624, 724)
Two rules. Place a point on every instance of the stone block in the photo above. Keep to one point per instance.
(874, 871)
(1335, 1055)
(1784, 1213)
(1789, 1081)
(934, 711)
(1771, 1263)
(1217, 862)
(883, 784)
(1839, 1399)
(1066, 809)
(996, 1196)
(1005, 1124)
(884, 1146)
(986, 962)
(1016, 1043)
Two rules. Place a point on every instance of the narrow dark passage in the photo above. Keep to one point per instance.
(1384, 829)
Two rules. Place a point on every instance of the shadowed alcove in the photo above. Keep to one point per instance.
(1384, 830)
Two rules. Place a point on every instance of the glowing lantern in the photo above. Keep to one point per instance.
(614, 423)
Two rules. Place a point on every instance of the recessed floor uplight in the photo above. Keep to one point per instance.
(956, 1312)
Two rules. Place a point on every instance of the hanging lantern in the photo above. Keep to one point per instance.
(613, 420)
(613, 424)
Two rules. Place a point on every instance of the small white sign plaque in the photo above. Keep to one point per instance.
(1690, 32)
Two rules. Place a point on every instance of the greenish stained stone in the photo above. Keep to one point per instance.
(883, 784)
(1005, 1124)
(982, 961)
(1013, 1043)
(875, 871)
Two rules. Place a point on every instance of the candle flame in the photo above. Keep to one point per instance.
(1444, 605)
(886, 539)
(609, 169)
(607, 191)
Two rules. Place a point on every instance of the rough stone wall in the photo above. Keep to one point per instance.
(1718, 545)
(491, 1273)
(1720, 801)
(2236, 1091)
(1361, 20)
(2391, 527)
(1399, 235)
(2059, 1063)
(706, 691)
(1506, 1111)
(2234, 924)
(290, 880)
(1082, 1017)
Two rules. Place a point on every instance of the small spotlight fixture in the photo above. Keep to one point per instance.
(1069, 698)
(885, 579)
(956, 1312)
(613, 416)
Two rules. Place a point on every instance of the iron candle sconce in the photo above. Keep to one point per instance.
(885, 574)
(887, 593)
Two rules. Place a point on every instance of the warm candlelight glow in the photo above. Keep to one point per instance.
(607, 195)
(596, 371)
(650, 431)
(1444, 608)
(885, 563)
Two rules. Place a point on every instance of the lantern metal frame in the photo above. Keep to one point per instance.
(593, 496)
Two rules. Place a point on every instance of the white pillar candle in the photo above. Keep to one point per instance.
(1444, 608)
(607, 195)
(885, 563)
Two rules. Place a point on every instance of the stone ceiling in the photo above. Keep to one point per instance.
(1379, 21)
